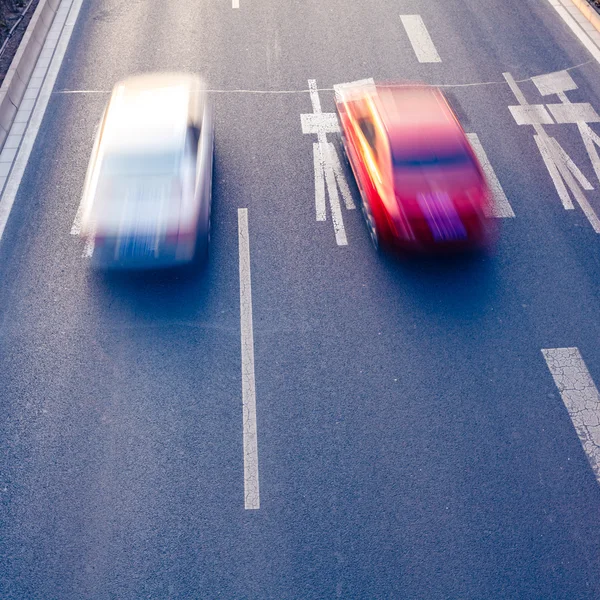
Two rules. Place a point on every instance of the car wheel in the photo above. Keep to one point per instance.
(371, 226)
(345, 156)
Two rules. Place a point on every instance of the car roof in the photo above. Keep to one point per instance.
(414, 107)
(148, 112)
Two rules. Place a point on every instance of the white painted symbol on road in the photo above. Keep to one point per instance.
(328, 169)
(565, 174)
(420, 39)
(581, 397)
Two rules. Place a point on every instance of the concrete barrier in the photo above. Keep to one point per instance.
(22, 66)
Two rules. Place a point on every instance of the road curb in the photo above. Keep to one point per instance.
(22, 66)
(589, 12)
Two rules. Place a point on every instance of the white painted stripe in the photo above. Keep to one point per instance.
(568, 161)
(339, 177)
(501, 207)
(319, 123)
(319, 163)
(20, 164)
(334, 198)
(235, 3)
(591, 141)
(542, 142)
(420, 39)
(573, 112)
(576, 29)
(531, 114)
(580, 395)
(250, 434)
(314, 96)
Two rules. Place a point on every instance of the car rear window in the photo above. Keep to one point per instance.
(129, 164)
(403, 158)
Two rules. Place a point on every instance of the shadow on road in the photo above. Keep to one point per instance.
(461, 286)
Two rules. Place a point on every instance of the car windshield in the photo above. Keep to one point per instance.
(430, 158)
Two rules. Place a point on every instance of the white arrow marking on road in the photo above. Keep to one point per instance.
(580, 396)
(420, 39)
(501, 207)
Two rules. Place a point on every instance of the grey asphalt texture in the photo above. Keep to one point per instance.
(412, 443)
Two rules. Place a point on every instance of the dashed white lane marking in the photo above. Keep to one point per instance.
(584, 38)
(20, 164)
(501, 207)
(580, 396)
(250, 435)
(420, 39)
(235, 3)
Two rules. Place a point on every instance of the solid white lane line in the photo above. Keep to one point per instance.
(420, 39)
(20, 164)
(576, 29)
(501, 207)
(251, 489)
(580, 395)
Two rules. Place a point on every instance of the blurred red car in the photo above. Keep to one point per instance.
(421, 184)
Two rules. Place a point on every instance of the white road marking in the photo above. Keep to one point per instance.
(319, 163)
(501, 207)
(565, 174)
(581, 113)
(554, 83)
(576, 29)
(314, 96)
(577, 112)
(319, 123)
(420, 39)
(568, 161)
(250, 434)
(339, 177)
(235, 3)
(543, 144)
(580, 396)
(329, 176)
(531, 114)
(591, 141)
(22, 158)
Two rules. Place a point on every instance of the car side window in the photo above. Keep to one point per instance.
(190, 158)
(368, 129)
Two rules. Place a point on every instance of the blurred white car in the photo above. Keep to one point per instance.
(147, 195)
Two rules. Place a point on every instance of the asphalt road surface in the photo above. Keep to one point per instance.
(412, 441)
